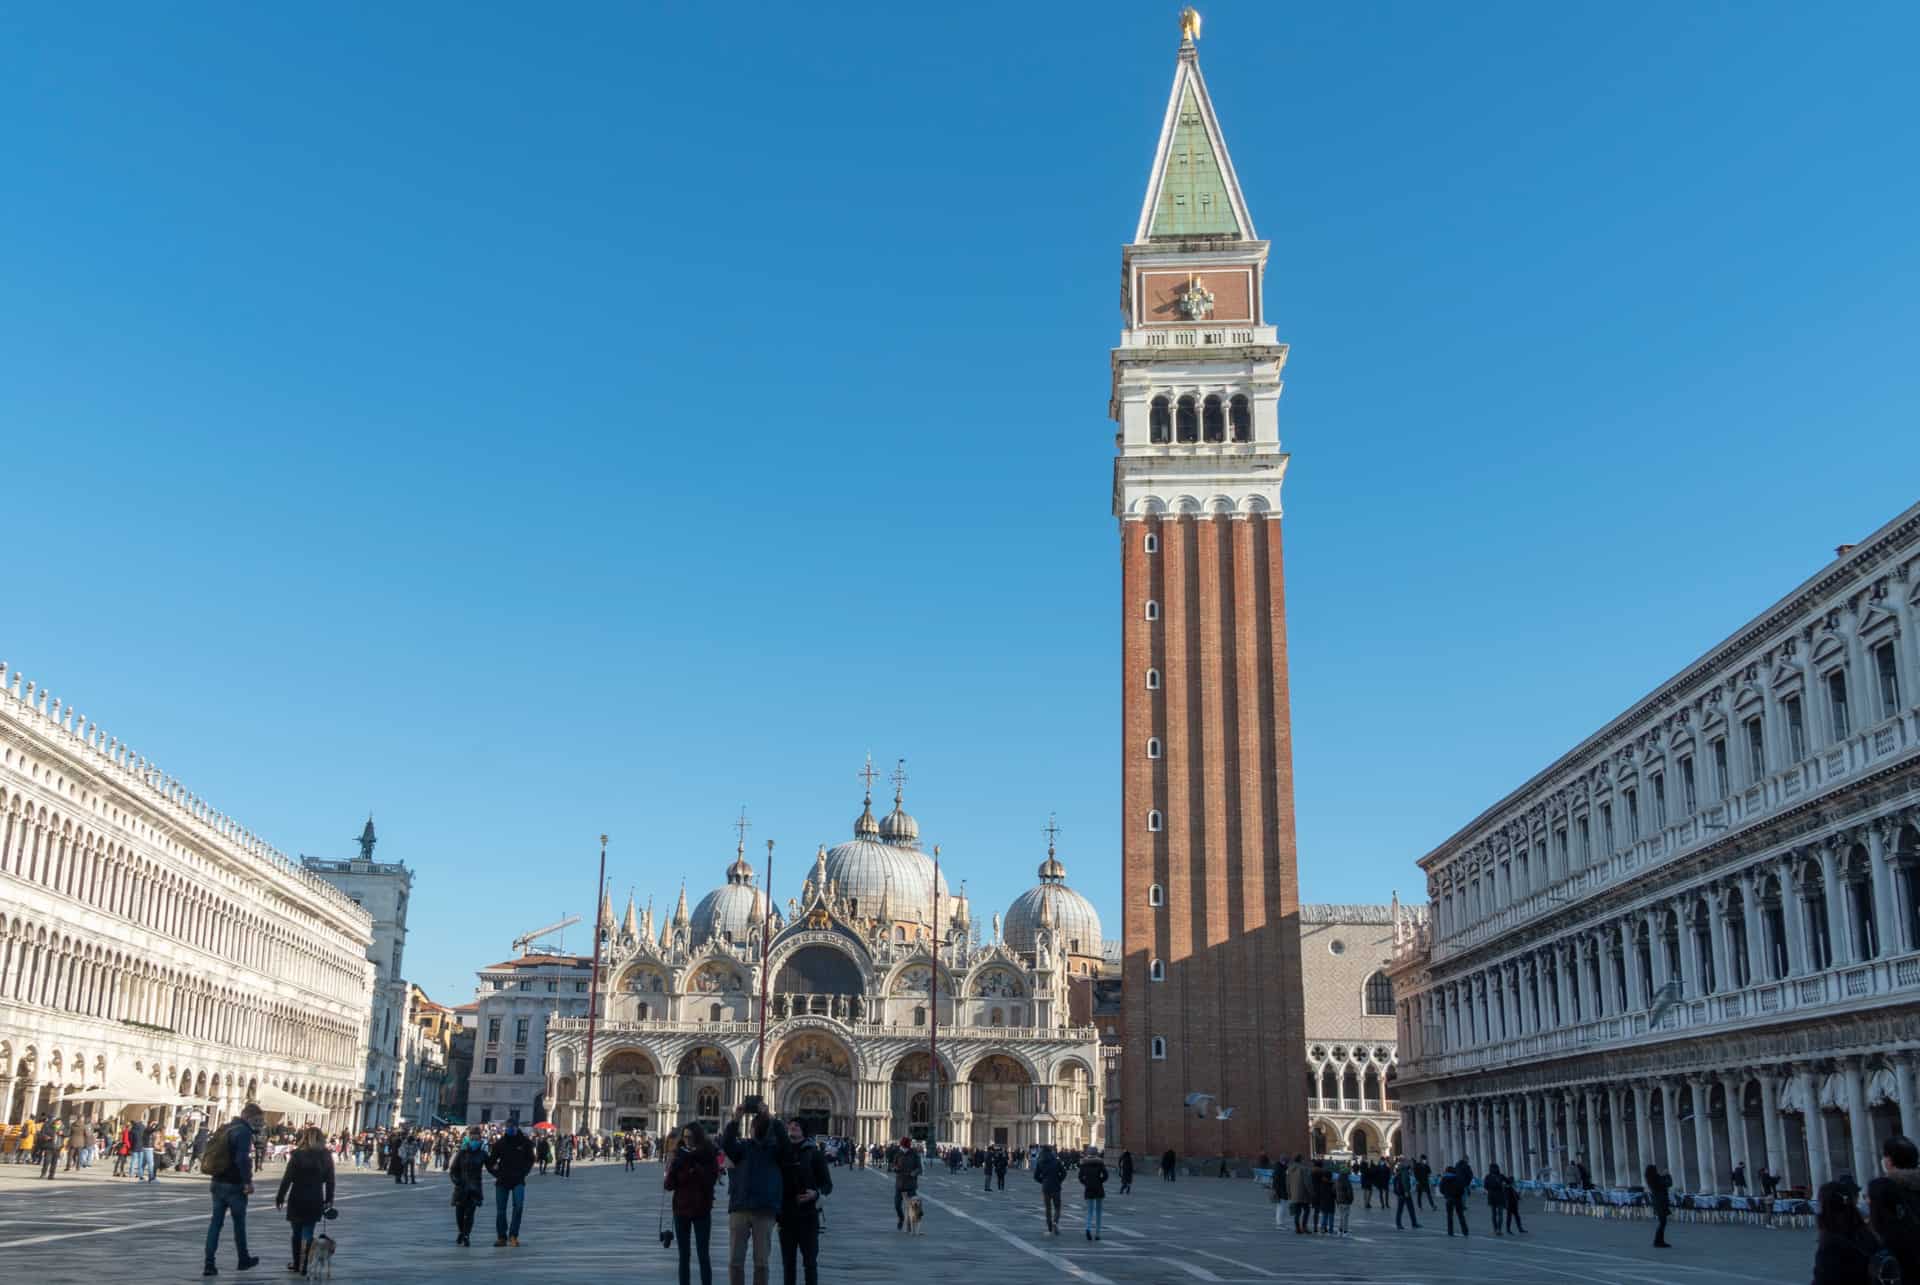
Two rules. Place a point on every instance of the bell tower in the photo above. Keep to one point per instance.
(1211, 983)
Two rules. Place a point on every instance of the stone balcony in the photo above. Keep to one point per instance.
(1225, 335)
(1869, 749)
(1844, 989)
(631, 1029)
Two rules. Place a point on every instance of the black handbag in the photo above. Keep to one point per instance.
(666, 1232)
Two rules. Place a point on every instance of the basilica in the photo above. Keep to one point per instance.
(889, 1013)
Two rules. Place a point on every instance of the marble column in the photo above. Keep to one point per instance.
(1902, 1064)
(1642, 1131)
(1757, 969)
(1622, 1173)
(1793, 914)
(1670, 1125)
(1777, 1161)
(1709, 1157)
(1529, 1153)
(1888, 925)
(1733, 1086)
(1819, 1169)
(1689, 960)
(1836, 890)
(1866, 1160)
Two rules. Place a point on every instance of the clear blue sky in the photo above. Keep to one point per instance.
(534, 421)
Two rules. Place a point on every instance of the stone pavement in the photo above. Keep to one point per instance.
(599, 1225)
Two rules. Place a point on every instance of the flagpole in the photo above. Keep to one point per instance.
(766, 940)
(593, 987)
(933, 1010)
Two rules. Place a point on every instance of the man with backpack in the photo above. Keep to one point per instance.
(1893, 1204)
(1403, 1205)
(1455, 1186)
(228, 1161)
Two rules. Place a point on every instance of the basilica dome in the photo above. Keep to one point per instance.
(1075, 923)
(730, 911)
(872, 867)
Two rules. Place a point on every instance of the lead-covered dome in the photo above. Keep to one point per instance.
(730, 911)
(1074, 921)
(877, 866)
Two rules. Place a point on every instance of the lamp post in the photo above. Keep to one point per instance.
(933, 1008)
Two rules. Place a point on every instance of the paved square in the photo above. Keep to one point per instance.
(599, 1225)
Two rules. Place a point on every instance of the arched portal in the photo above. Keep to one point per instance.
(707, 1087)
(813, 1083)
(627, 1091)
(913, 1112)
(1002, 1103)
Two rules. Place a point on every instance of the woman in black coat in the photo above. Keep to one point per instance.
(1844, 1254)
(1658, 1186)
(468, 1172)
(306, 1190)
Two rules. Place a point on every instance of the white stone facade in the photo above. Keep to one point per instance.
(517, 1002)
(383, 887)
(145, 937)
(1352, 1038)
(1695, 938)
(847, 1040)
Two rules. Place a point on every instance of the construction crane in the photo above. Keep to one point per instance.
(524, 942)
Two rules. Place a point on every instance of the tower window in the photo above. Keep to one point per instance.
(1156, 895)
(1151, 543)
(1215, 420)
(1153, 680)
(1160, 421)
(1153, 609)
(1153, 747)
(1159, 1048)
(1153, 820)
(1187, 420)
(1156, 971)
(1240, 415)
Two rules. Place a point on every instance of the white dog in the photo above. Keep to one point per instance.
(320, 1258)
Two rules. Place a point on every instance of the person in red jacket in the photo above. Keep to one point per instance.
(691, 1176)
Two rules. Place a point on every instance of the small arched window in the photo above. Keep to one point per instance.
(1215, 420)
(1240, 414)
(1160, 421)
(1156, 895)
(1153, 680)
(1153, 747)
(1152, 543)
(1153, 609)
(1156, 971)
(1153, 821)
(1159, 1048)
(643, 1012)
(713, 1012)
(1187, 420)
(1379, 996)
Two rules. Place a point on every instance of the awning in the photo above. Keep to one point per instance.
(279, 1102)
(124, 1084)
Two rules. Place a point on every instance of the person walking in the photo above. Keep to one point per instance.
(1167, 1164)
(1299, 1193)
(755, 1149)
(140, 1147)
(1321, 1179)
(1513, 1209)
(543, 1152)
(1126, 1173)
(804, 1180)
(1659, 1187)
(1893, 1203)
(306, 1192)
(1496, 1188)
(46, 1147)
(1740, 1178)
(906, 1180)
(1343, 1201)
(691, 1176)
(1845, 1251)
(1403, 1183)
(1050, 1174)
(1423, 1181)
(468, 1173)
(229, 1163)
(509, 1160)
(1455, 1185)
(1093, 1189)
(986, 1170)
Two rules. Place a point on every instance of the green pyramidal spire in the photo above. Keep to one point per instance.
(1194, 200)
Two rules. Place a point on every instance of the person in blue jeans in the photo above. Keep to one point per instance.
(1093, 1186)
(509, 1161)
(232, 1184)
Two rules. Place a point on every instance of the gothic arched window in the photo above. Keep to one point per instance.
(1240, 414)
(1215, 420)
(1156, 971)
(1187, 420)
(1379, 996)
(1160, 421)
